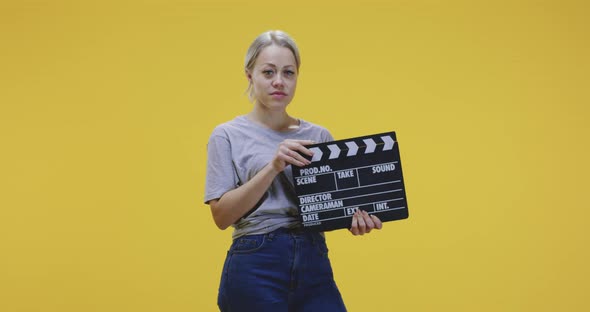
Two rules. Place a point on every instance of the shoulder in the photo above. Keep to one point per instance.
(323, 131)
(225, 129)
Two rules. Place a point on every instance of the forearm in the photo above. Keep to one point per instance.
(236, 203)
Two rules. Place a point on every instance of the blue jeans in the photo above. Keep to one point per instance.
(282, 271)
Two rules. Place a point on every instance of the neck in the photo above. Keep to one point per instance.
(277, 120)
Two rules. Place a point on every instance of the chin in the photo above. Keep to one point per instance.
(276, 105)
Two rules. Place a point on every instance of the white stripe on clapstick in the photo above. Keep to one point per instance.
(352, 148)
(370, 145)
(317, 154)
(334, 151)
(388, 142)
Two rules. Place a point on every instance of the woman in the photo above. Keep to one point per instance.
(271, 265)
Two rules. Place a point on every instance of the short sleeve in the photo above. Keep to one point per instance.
(326, 136)
(221, 175)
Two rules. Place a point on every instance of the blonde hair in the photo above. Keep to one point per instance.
(276, 37)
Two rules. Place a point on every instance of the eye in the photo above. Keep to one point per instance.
(267, 72)
(289, 73)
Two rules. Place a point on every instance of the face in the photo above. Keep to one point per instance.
(274, 77)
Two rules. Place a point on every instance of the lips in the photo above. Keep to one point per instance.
(278, 93)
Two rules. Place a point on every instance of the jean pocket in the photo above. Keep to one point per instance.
(248, 244)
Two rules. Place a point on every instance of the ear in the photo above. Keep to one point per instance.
(248, 75)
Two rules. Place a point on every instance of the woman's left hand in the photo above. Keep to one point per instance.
(363, 223)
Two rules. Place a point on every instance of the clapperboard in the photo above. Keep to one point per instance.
(347, 175)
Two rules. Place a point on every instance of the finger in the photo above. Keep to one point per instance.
(368, 221)
(378, 223)
(362, 224)
(300, 157)
(290, 148)
(293, 154)
(354, 227)
(293, 157)
(291, 160)
(305, 142)
(294, 145)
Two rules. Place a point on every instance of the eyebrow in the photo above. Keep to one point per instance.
(273, 65)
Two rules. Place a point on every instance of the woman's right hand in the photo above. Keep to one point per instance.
(287, 154)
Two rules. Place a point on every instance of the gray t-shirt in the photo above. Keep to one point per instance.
(240, 148)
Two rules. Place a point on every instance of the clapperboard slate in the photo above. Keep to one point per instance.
(347, 175)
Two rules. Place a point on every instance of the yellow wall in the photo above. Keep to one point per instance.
(106, 107)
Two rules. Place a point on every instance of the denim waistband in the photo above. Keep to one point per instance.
(295, 230)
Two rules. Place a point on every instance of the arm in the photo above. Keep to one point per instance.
(235, 203)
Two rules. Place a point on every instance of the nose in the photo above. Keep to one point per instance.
(278, 81)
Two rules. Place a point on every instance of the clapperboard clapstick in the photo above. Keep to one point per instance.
(347, 175)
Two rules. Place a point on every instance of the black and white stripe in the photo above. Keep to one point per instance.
(355, 147)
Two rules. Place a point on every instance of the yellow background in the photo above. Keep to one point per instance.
(106, 107)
